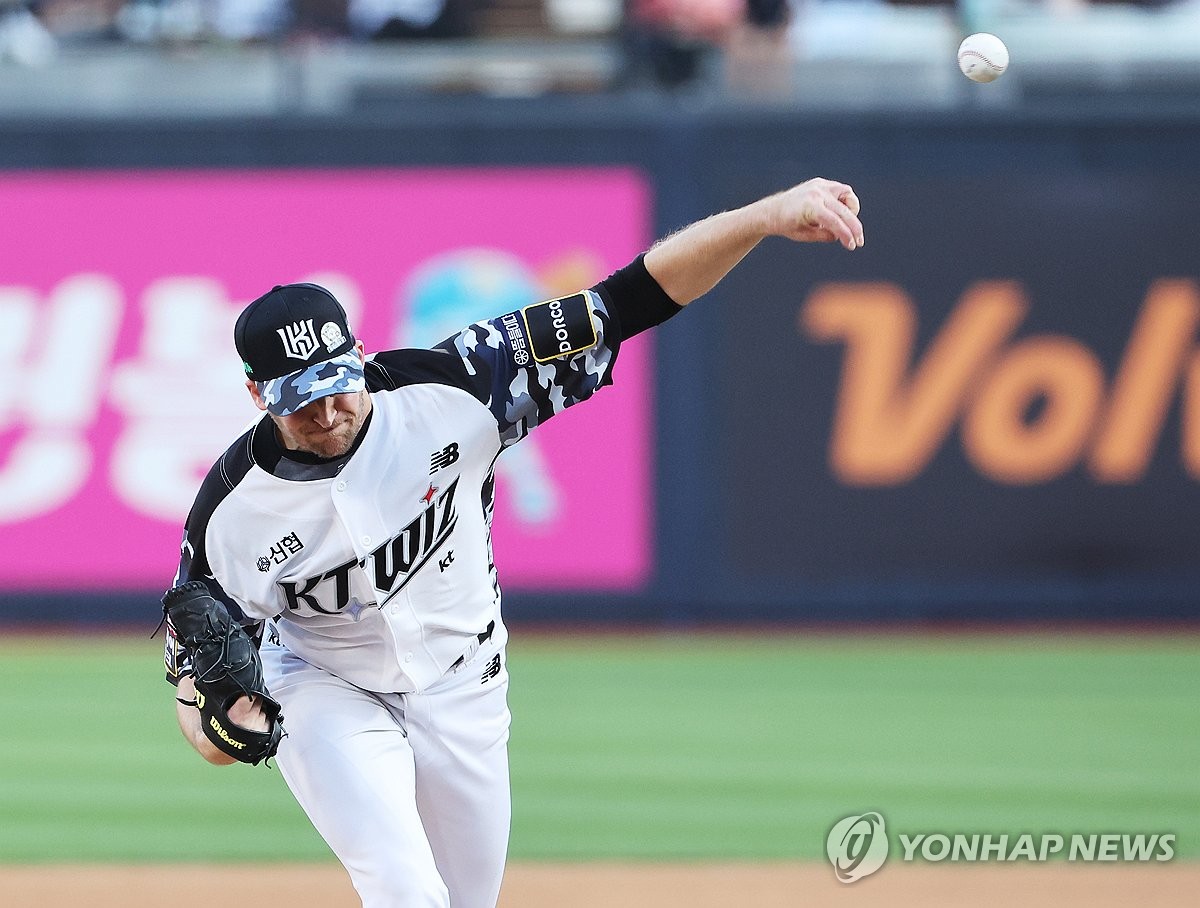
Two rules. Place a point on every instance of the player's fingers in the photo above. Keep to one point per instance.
(850, 200)
(840, 191)
(248, 713)
(837, 218)
(846, 206)
(849, 214)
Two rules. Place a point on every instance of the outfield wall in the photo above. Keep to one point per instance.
(992, 411)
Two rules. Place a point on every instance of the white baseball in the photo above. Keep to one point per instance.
(982, 57)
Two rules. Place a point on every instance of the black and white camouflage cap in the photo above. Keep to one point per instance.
(298, 323)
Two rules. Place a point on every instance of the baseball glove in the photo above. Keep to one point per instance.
(226, 666)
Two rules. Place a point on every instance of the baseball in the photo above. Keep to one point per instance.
(982, 57)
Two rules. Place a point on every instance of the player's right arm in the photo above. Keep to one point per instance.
(529, 365)
(690, 262)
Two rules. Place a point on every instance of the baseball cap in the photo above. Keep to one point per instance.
(297, 346)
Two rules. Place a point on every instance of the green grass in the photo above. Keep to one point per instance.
(657, 747)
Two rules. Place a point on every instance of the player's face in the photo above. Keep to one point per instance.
(327, 427)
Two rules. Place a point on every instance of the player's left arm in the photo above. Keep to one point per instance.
(222, 703)
(246, 712)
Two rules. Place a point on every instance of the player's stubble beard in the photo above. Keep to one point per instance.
(313, 433)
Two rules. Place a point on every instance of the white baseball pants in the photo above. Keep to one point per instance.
(411, 791)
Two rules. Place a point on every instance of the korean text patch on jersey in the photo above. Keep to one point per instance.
(559, 327)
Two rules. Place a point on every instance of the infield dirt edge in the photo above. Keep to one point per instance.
(622, 885)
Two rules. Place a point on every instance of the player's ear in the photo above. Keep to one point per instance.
(362, 351)
(258, 398)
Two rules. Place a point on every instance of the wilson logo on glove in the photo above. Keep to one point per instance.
(224, 735)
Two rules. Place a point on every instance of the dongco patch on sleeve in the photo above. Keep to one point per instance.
(559, 327)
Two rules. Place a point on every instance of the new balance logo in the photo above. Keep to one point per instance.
(492, 670)
(443, 458)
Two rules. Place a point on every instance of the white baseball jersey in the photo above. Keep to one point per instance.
(378, 565)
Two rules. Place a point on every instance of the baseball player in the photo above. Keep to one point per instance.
(337, 607)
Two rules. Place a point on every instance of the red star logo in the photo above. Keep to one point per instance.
(428, 496)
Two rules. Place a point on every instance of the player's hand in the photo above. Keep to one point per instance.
(248, 713)
(817, 211)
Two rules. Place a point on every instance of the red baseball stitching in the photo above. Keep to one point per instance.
(974, 53)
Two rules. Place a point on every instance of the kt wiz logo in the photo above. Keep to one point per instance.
(299, 339)
(857, 846)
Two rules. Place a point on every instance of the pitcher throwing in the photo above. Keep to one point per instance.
(336, 606)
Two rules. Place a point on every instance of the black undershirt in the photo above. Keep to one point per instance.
(636, 298)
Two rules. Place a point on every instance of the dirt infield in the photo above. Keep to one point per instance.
(604, 885)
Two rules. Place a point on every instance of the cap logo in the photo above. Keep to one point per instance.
(331, 336)
(299, 339)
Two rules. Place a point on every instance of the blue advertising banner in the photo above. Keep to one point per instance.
(1001, 389)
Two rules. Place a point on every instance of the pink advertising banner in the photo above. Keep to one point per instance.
(118, 293)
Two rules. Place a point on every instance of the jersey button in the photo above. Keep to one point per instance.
(341, 485)
(366, 540)
(408, 657)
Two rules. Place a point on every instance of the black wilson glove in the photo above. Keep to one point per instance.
(226, 666)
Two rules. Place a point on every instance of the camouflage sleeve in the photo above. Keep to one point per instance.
(530, 364)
